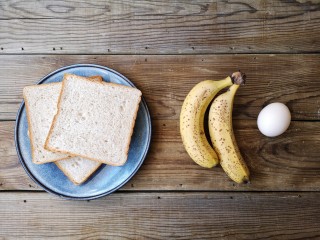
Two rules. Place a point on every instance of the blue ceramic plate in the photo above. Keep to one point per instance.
(106, 179)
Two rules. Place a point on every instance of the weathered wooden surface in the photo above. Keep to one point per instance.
(166, 80)
(286, 163)
(165, 48)
(170, 27)
(162, 216)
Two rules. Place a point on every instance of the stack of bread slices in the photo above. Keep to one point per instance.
(80, 123)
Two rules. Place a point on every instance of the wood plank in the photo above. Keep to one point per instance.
(166, 80)
(171, 27)
(162, 216)
(290, 162)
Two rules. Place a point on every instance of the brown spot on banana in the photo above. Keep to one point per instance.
(220, 117)
(194, 108)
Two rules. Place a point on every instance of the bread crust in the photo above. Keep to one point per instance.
(93, 78)
(50, 148)
(84, 179)
(31, 137)
(132, 127)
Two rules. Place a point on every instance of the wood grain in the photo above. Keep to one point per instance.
(162, 216)
(165, 48)
(166, 80)
(290, 162)
(171, 27)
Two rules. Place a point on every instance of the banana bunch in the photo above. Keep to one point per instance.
(225, 147)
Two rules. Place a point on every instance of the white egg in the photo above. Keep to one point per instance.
(274, 119)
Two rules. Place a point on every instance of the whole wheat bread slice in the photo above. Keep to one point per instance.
(94, 120)
(41, 105)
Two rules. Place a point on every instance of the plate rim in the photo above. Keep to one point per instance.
(65, 196)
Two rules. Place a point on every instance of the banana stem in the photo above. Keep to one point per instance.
(238, 78)
(224, 83)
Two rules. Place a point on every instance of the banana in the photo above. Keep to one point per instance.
(192, 121)
(222, 136)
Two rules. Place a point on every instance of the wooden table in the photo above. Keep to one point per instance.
(165, 48)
